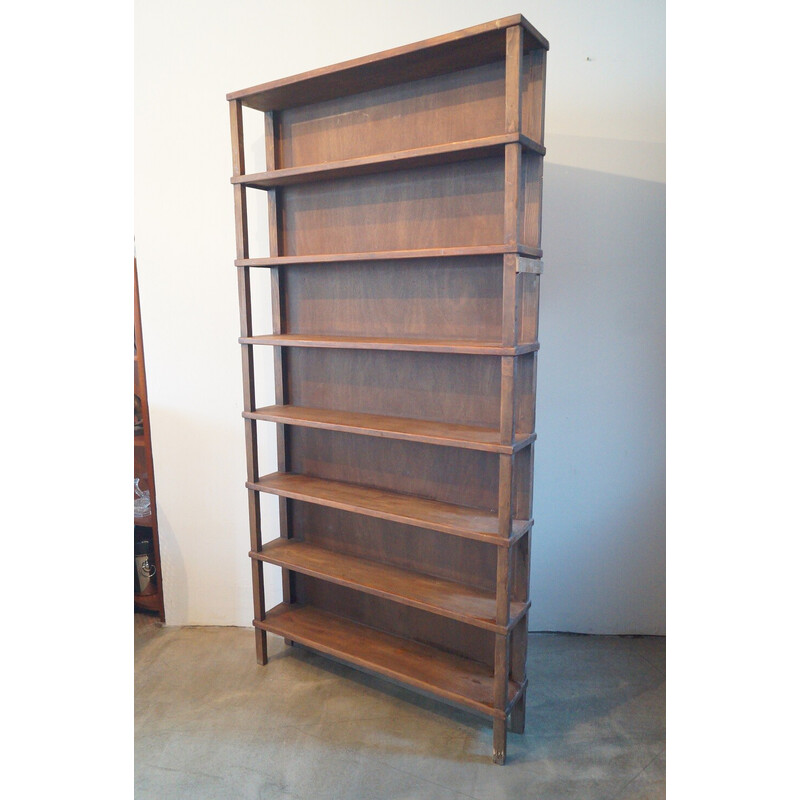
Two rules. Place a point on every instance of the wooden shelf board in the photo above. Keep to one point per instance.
(470, 523)
(151, 602)
(436, 595)
(394, 343)
(452, 677)
(388, 255)
(139, 441)
(387, 162)
(471, 47)
(470, 437)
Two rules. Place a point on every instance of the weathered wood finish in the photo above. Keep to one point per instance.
(452, 52)
(437, 298)
(379, 255)
(387, 161)
(386, 343)
(472, 437)
(472, 561)
(436, 515)
(448, 598)
(404, 218)
(464, 681)
(447, 205)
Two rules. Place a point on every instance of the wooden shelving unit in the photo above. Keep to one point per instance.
(143, 465)
(404, 214)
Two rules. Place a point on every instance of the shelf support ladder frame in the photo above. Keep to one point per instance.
(513, 222)
(248, 374)
(278, 327)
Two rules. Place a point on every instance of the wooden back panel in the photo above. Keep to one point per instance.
(435, 386)
(446, 108)
(458, 298)
(454, 107)
(447, 205)
(445, 634)
(448, 474)
(452, 558)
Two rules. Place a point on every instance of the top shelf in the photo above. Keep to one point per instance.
(466, 48)
(387, 162)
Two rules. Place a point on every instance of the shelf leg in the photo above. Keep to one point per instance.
(258, 593)
(261, 647)
(499, 741)
(519, 652)
(517, 717)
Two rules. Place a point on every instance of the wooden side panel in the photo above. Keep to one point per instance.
(520, 580)
(522, 487)
(525, 395)
(448, 205)
(517, 657)
(532, 199)
(533, 95)
(529, 314)
(447, 108)
(447, 474)
(421, 626)
(426, 298)
(435, 386)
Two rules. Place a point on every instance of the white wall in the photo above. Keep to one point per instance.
(598, 551)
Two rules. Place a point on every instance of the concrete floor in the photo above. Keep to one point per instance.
(211, 723)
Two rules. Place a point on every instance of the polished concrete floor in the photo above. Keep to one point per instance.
(211, 723)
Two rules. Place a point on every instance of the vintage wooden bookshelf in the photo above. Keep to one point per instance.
(404, 212)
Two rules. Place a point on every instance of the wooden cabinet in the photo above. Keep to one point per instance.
(404, 207)
(147, 594)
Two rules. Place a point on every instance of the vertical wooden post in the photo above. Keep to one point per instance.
(513, 78)
(503, 605)
(512, 236)
(519, 652)
(278, 326)
(513, 152)
(248, 375)
(500, 725)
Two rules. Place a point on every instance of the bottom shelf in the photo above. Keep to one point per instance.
(452, 677)
(149, 602)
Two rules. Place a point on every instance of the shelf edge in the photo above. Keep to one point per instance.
(390, 255)
(270, 625)
(522, 526)
(450, 152)
(440, 611)
(350, 343)
(352, 65)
